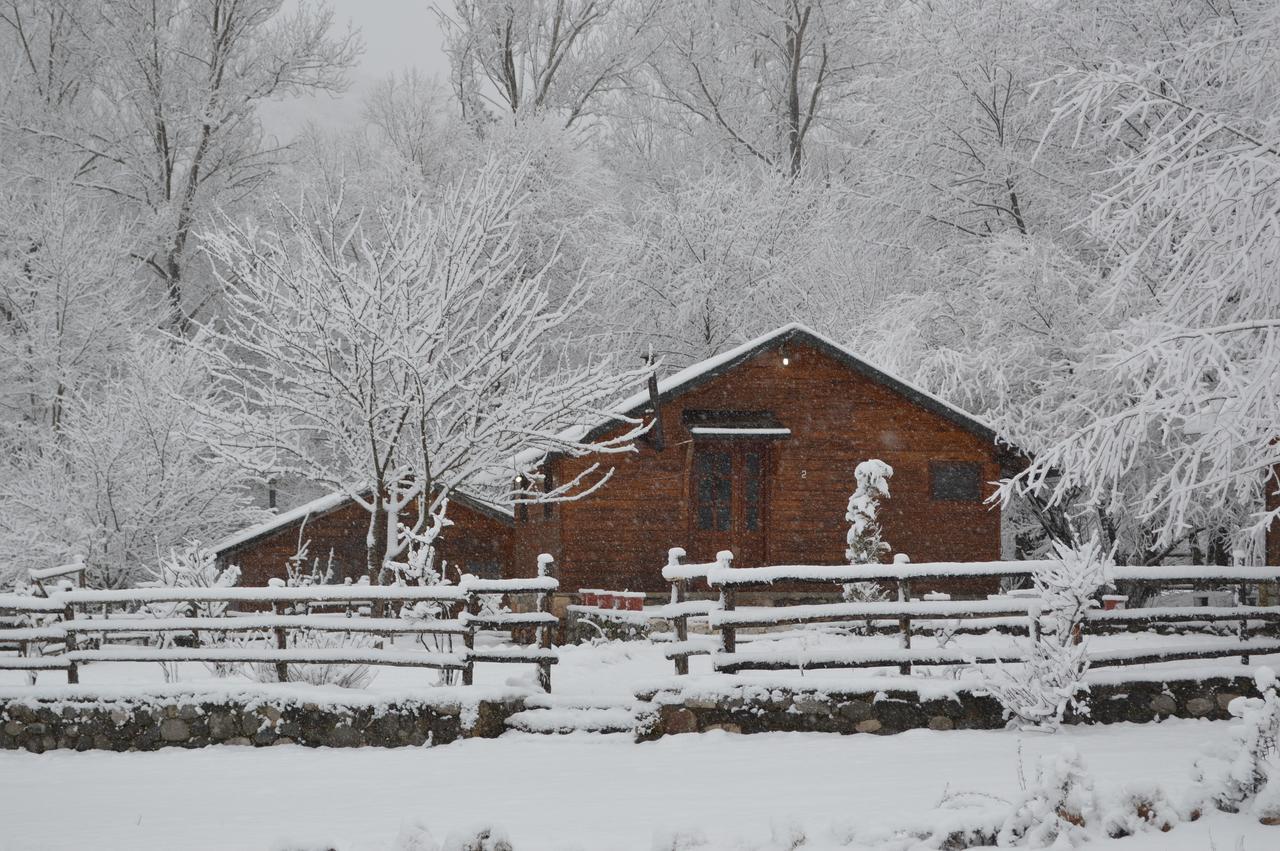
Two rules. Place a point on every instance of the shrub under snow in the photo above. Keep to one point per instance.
(865, 542)
(321, 674)
(1056, 809)
(1246, 773)
(1038, 692)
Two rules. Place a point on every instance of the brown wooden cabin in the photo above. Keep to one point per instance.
(478, 542)
(754, 452)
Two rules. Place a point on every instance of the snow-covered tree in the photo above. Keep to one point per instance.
(1038, 691)
(1246, 772)
(125, 477)
(762, 80)
(154, 105)
(539, 56)
(1189, 218)
(712, 256)
(865, 541)
(402, 355)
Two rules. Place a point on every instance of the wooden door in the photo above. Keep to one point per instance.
(729, 501)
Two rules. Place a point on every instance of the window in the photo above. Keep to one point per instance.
(751, 493)
(713, 480)
(547, 487)
(484, 568)
(958, 481)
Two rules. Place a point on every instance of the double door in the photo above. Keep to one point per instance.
(729, 500)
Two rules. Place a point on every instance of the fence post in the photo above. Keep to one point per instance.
(282, 643)
(1242, 630)
(679, 588)
(544, 630)
(469, 638)
(69, 643)
(904, 624)
(728, 601)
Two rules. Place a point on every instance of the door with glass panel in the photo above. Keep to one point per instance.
(729, 501)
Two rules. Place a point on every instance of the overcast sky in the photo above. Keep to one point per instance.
(398, 35)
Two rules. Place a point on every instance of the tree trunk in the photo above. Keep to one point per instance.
(377, 541)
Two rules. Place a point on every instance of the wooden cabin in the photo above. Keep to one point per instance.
(336, 526)
(753, 451)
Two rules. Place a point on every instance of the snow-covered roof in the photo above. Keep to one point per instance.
(321, 505)
(331, 502)
(696, 374)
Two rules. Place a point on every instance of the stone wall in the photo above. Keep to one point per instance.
(137, 723)
(754, 709)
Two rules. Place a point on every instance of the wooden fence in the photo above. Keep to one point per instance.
(80, 624)
(1020, 613)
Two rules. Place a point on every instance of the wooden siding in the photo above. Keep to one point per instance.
(476, 540)
(618, 537)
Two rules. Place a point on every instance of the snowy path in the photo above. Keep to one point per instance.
(582, 791)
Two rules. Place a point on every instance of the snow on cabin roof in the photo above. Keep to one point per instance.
(322, 505)
(696, 374)
(330, 502)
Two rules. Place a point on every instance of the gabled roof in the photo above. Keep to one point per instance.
(332, 502)
(702, 372)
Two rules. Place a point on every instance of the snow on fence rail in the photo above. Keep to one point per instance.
(727, 619)
(84, 637)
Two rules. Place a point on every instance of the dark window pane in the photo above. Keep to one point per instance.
(548, 485)
(484, 569)
(752, 491)
(724, 498)
(713, 481)
(956, 480)
(702, 484)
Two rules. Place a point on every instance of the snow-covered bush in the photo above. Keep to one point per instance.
(420, 568)
(343, 675)
(488, 838)
(1136, 809)
(300, 570)
(414, 835)
(1248, 769)
(192, 566)
(1056, 809)
(865, 542)
(1050, 680)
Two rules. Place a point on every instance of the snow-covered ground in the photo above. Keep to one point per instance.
(578, 792)
(584, 791)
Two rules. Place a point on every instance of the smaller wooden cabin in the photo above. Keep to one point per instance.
(335, 526)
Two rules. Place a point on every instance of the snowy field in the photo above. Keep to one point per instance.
(578, 792)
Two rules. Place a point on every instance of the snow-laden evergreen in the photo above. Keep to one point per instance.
(1050, 681)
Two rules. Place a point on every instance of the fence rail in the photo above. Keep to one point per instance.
(1022, 613)
(80, 623)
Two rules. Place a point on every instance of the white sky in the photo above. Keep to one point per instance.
(398, 35)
